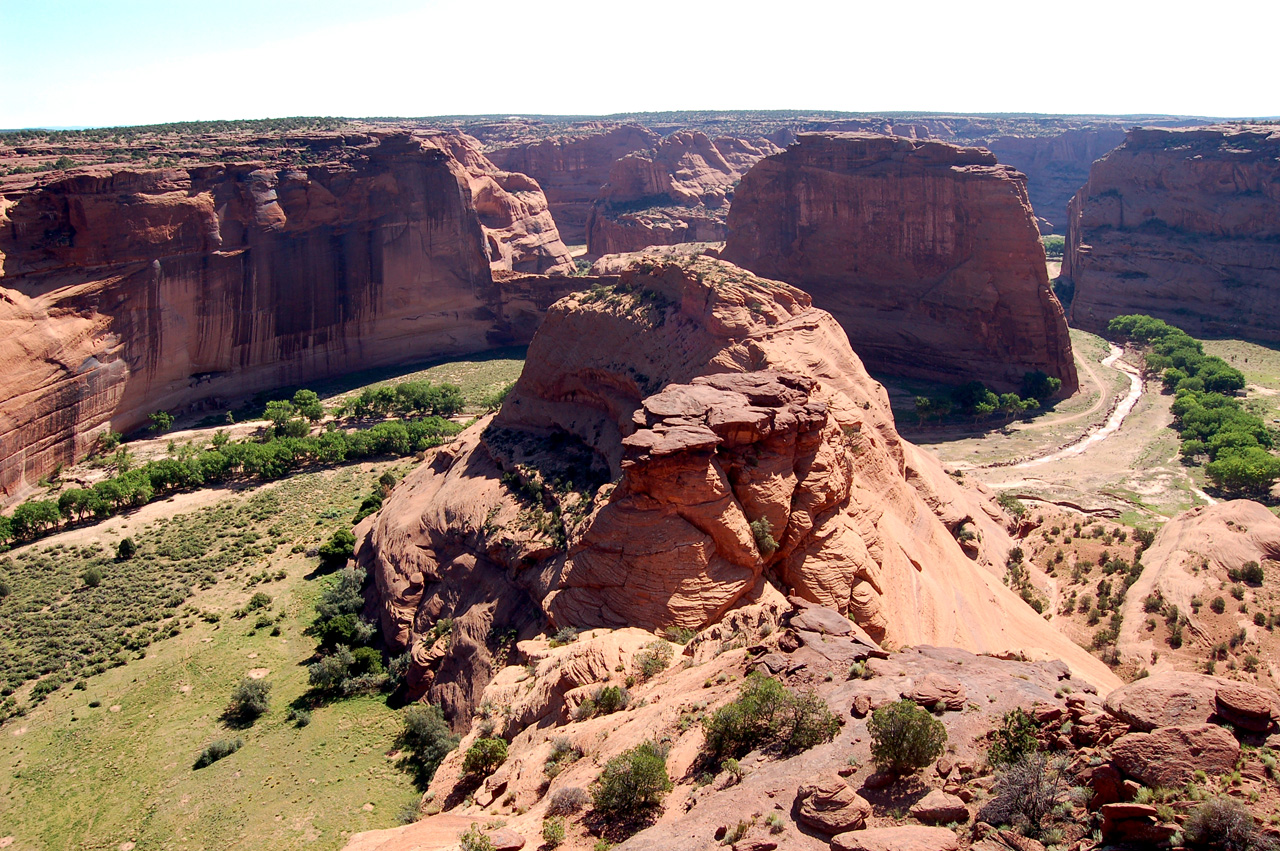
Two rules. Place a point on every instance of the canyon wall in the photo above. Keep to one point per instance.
(678, 192)
(572, 168)
(927, 253)
(125, 292)
(1183, 225)
(688, 441)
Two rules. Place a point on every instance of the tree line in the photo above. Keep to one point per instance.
(975, 400)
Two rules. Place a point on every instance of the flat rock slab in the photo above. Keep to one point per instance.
(907, 838)
(1170, 756)
(932, 689)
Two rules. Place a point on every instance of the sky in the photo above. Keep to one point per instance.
(118, 62)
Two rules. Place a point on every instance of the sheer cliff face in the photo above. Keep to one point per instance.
(571, 170)
(1183, 225)
(681, 444)
(928, 254)
(125, 293)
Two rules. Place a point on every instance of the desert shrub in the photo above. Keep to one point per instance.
(1026, 794)
(217, 750)
(1222, 823)
(5, 590)
(484, 757)
(653, 660)
(905, 737)
(126, 549)
(1011, 504)
(426, 738)
(249, 701)
(565, 635)
(678, 634)
(563, 753)
(300, 717)
(340, 547)
(1218, 605)
(260, 600)
(474, 839)
(1014, 739)
(553, 832)
(1252, 573)
(632, 783)
(610, 699)
(768, 715)
(92, 577)
(763, 533)
(567, 801)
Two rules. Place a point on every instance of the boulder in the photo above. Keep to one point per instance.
(1165, 700)
(906, 838)
(933, 689)
(1134, 823)
(1170, 756)
(928, 254)
(938, 807)
(821, 620)
(1248, 707)
(505, 839)
(831, 806)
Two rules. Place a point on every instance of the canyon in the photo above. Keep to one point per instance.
(1182, 225)
(127, 292)
(926, 253)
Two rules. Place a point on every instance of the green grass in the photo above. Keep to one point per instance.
(76, 776)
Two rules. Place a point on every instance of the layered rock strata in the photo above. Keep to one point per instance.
(123, 292)
(928, 254)
(678, 192)
(1183, 225)
(680, 445)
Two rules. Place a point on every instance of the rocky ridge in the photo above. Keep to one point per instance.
(925, 252)
(1182, 225)
(676, 447)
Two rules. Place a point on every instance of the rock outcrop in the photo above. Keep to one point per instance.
(571, 168)
(1183, 225)
(520, 233)
(124, 292)
(678, 192)
(926, 253)
(675, 447)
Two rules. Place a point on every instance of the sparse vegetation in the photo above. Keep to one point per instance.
(1027, 794)
(250, 700)
(216, 750)
(633, 783)
(484, 757)
(427, 740)
(905, 737)
(769, 716)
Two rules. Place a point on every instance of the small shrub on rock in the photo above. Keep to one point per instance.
(553, 832)
(905, 737)
(1225, 824)
(632, 783)
(653, 660)
(567, 801)
(768, 715)
(1014, 739)
(484, 757)
(1026, 795)
(610, 699)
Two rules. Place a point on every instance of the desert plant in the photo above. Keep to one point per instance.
(768, 715)
(126, 549)
(904, 737)
(567, 801)
(217, 750)
(653, 660)
(553, 832)
(1223, 823)
(1014, 739)
(484, 757)
(763, 533)
(427, 739)
(1026, 794)
(632, 783)
(249, 701)
(474, 839)
(92, 577)
(610, 699)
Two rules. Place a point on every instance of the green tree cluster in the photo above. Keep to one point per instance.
(976, 401)
(408, 398)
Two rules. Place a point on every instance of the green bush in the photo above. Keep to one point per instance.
(1014, 739)
(1218, 605)
(905, 737)
(484, 757)
(763, 533)
(653, 660)
(632, 783)
(553, 832)
(767, 715)
(92, 577)
(426, 738)
(217, 750)
(249, 701)
(610, 699)
(474, 839)
(126, 549)
(339, 548)
(1252, 573)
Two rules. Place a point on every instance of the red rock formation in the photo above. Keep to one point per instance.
(520, 234)
(1183, 225)
(926, 253)
(679, 192)
(572, 168)
(746, 445)
(129, 292)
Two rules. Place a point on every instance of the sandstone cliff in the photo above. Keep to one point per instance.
(687, 442)
(124, 292)
(1183, 225)
(927, 254)
(678, 192)
(572, 168)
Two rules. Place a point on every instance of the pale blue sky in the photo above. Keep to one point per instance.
(109, 62)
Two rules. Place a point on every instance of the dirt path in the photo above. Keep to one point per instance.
(1113, 423)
